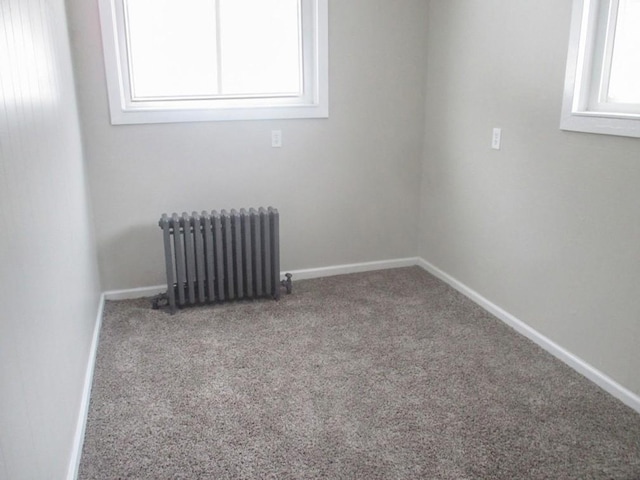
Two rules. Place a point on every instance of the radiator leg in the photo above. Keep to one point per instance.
(288, 284)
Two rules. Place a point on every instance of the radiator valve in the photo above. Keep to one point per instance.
(287, 283)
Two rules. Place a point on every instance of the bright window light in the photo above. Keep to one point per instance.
(602, 82)
(200, 60)
(172, 48)
(624, 80)
(270, 61)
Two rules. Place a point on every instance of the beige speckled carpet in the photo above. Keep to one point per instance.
(380, 375)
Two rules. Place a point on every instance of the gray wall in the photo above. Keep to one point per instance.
(548, 228)
(347, 187)
(48, 279)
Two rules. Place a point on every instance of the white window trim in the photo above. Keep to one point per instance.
(575, 115)
(315, 104)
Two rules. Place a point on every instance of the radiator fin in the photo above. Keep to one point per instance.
(199, 244)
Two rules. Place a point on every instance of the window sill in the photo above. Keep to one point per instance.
(589, 122)
(125, 117)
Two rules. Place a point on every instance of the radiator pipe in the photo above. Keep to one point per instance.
(287, 283)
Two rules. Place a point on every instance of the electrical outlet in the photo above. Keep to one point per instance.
(496, 138)
(276, 138)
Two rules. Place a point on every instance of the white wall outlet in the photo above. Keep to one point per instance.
(496, 138)
(276, 138)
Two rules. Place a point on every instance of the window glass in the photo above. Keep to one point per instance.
(624, 82)
(172, 48)
(260, 52)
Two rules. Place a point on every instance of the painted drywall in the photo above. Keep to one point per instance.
(347, 187)
(548, 227)
(48, 279)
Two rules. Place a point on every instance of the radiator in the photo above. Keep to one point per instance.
(215, 257)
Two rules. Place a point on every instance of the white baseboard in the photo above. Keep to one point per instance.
(596, 376)
(81, 424)
(304, 274)
(133, 293)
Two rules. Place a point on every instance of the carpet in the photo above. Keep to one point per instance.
(379, 375)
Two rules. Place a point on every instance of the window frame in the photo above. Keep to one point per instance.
(313, 103)
(582, 111)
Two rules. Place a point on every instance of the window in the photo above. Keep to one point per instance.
(200, 60)
(602, 86)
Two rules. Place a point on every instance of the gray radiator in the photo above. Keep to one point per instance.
(214, 257)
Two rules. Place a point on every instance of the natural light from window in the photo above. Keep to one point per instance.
(624, 83)
(602, 81)
(206, 49)
(172, 61)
